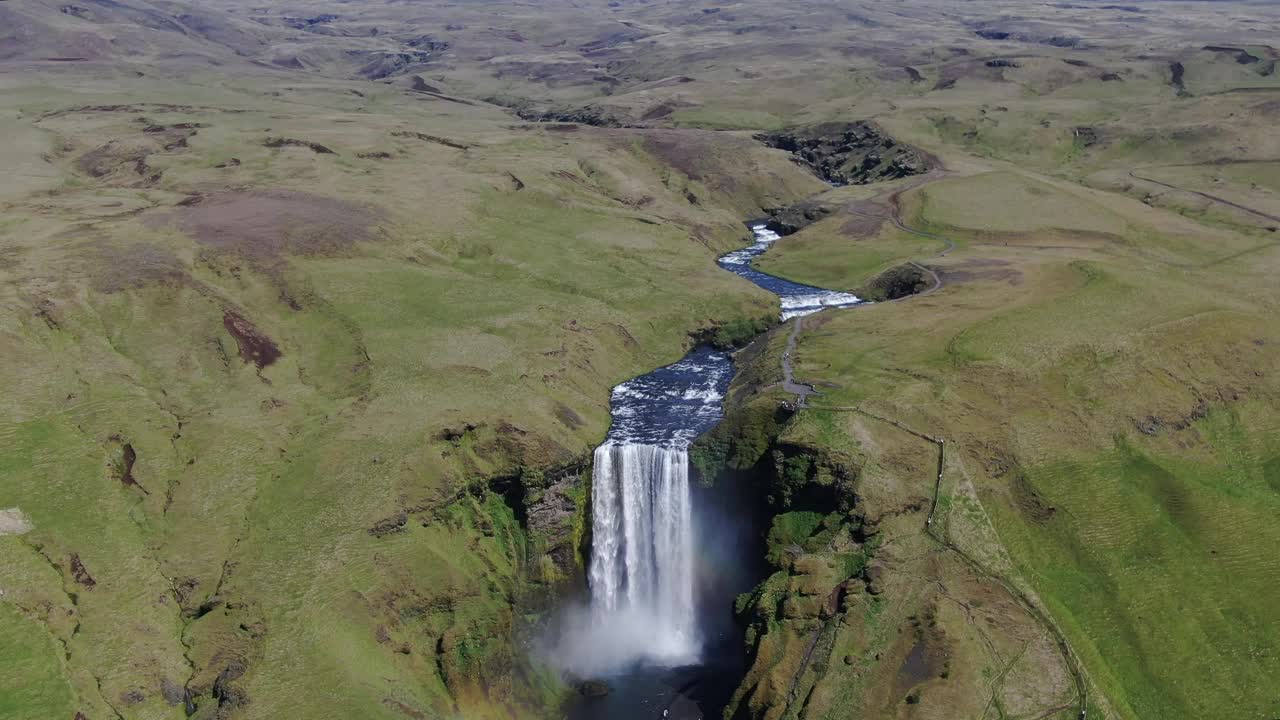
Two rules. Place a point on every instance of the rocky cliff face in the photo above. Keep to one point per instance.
(794, 218)
(557, 522)
(854, 153)
(896, 283)
(818, 547)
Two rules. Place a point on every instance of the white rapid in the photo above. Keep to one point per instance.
(641, 571)
(797, 299)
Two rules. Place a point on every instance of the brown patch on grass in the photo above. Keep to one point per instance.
(926, 660)
(48, 312)
(130, 267)
(1028, 502)
(1154, 424)
(679, 150)
(293, 142)
(911, 505)
(566, 415)
(403, 709)
(394, 524)
(1268, 109)
(124, 161)
(137, 108)
(570, 177)
(431, 139)
(628, 340)
(520, 447)
(129, 456)
(265, 225)
(865, 218)
(664, 109)
(467, 370)
(254, 345)
(421, 85)
(80, 573)
(920, 665)
(975, 269)
(455, 435)
(117, 160)
(861, 226)
(1177, 72)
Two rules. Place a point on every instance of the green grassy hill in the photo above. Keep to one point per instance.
(260, 413)
(1108, 410)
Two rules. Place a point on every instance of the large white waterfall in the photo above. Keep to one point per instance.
(644, 573)
(641, 571)
(644, 607)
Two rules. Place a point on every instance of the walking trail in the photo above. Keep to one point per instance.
(803, 391)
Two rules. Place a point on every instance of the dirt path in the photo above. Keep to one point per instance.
(935, 287)
(803, 391)
(942, 538)
(1212, 198)
(893, 213)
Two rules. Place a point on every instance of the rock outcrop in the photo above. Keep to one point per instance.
(854, 153)
(794, 218)
(594, 115)
(896, 283)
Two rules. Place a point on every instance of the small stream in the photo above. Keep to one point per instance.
(669, 557)
(797, 299)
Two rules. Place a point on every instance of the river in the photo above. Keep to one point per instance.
(669, 557)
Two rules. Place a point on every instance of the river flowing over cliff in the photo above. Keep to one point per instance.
(653, 585)
(642, 559)
(643, 566)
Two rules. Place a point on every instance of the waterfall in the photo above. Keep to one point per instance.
(643, 573)
(642, 552)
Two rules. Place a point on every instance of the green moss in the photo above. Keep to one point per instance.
(739, 442)
(788, 535)
(582, 519)
(32, 684)
(740, 331)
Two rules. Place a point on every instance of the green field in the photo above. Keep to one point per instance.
(1111, 416)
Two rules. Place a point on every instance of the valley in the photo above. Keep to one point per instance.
(317, 316)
